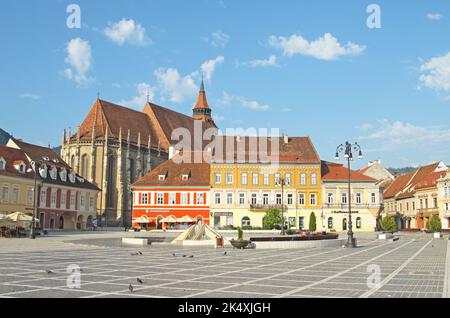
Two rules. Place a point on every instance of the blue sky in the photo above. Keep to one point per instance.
(308, 68)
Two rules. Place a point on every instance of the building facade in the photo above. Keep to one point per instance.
(366, 199)
(115, 146)
(443, 185)
(243, 190)
(171, 196)
(65, 201)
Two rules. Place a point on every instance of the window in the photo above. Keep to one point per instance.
(91, 203)
(160, 198)
(5, 194)
(63, 175)
(266, 179)
(288, 179)
(218, 178)
(200, 198)
(217, 198)
(447, 206)
(407, 206)
(84, 166)
(254, 199)
(313, 199)
(43, 197)
(290, 198)
(344, 198)
(255, 179)
(314, 179)
(447, 191)
(144, 198)
(303, 179)
(330, 198)
(277, 179)
(63, 199)
(2, 164)
(279, 199)
(241, 198)
(358, 223)
(172, 198)
(373, 199)
(435, 202)
(246, 222)
(184, 198)
(244, 178)
(30, 196)
(229, 198)
(16, 194)
(72, 200)
(414, 205)
(162, 177)
(358, 198)
(266, 199)
(53, 173)
(301, 199)
(82, 201)
(330, 223)
(229, 178)
(301, 223)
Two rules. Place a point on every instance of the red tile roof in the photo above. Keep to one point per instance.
(337, 172)
(431, 180)
(398, 185)
(296, 150)
(11, 156)
(199, 175)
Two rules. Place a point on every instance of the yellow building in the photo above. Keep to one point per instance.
(244, 186)
(16, 184)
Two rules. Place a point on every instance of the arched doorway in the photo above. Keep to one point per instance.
(61, 222)
(358, 223)
(52, 223)
(246, 222)
(89, 221)
(159, 224)
(330, 223)
(344, 225)
(80, 220)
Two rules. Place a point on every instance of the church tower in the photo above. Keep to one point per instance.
(201, 109)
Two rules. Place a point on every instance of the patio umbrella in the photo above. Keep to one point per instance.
(186, 219)
(142, 219)
(8, 223)
(21, 218)
(169, 219)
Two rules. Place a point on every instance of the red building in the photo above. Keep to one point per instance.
(172, 195)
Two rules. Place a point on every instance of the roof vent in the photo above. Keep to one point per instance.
(46, 158)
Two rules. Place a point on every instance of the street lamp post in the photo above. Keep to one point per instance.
(348, 150)
(282, 180)
(36, 165)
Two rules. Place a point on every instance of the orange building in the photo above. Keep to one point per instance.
(173, 195)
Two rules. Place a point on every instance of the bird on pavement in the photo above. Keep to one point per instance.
(225, 253)
(140, 253)
(192, 256)
(174, 255)
(49, 271)
(130, 288)
(134, 254)
(184, 255)
(139, 280)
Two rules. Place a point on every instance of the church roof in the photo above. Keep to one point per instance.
(337, 172)
(201, 101)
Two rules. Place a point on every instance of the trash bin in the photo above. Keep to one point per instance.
(219, 242)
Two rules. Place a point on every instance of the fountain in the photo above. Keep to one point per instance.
(200, 234)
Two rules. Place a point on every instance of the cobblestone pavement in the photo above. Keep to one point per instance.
(411, 267)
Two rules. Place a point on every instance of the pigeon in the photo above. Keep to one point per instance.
(184, 255)
(139, 280)
(134, 254)
(225, 254)
(49, 271)
(131, 289)
(174, 255)
(192, 256)
(140, 253)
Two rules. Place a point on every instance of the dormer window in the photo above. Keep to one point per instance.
(20, 166)
(72, 177)
(43, 171)
(2, 164)
(63, 175)
(162, 177)
(53, 173)
(185, 177)
(46, 158)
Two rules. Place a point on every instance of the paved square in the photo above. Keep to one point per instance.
(413, 267)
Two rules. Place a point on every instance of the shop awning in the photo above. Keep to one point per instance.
(169, 219)
(186, 219)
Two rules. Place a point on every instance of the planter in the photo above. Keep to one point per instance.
(437, 235)
(240, 244)
(385, 236)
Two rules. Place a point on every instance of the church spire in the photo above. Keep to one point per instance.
(201, 109)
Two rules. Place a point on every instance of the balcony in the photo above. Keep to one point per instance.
(354, 206)
(265, 207)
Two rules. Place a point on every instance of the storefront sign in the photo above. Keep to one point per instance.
(343, 212)
(223, 214)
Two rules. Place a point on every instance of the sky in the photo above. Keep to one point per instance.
(333, 70)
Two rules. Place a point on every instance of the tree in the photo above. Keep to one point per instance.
(312, 222)
(272, 219)
(240, 234)
(435, 224)
(388, 224)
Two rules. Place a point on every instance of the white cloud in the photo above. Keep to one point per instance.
(271, 61)
(218, 118)
(401, 133)
(326, 47)
(127, 31)
(251, 104)
(176, 87)
(33, 97)
(218, 39)
(145, 92)
(209, 67)
(224, 100)
(364, 127)
(434, 16)
(79, 57)
(436, 73)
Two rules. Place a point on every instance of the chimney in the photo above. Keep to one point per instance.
(171, 152)
(286, 139)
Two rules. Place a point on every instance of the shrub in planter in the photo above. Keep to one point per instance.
(435, 224)
(388, 224)
(240, 234)
(312, 222)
